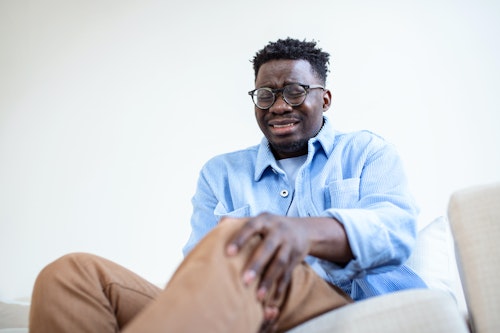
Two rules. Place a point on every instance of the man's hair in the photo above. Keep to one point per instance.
(294, 49)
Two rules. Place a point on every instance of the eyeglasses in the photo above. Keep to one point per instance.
(293, 94)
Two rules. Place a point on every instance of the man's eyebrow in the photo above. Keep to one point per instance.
(271, 86)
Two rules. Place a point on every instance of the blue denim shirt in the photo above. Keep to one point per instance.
(356, 178)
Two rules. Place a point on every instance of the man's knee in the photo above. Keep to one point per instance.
(62, 267)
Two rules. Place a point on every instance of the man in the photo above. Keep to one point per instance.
(308, 221)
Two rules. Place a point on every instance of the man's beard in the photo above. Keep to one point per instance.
(290, 147)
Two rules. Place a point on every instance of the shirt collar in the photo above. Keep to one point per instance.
(324, 139)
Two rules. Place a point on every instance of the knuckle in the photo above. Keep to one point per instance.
(281, 261)
(270, 244)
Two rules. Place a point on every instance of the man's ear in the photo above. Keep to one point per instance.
(327, 99)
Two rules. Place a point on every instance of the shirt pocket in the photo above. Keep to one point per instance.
(220, 211)
(343, 193)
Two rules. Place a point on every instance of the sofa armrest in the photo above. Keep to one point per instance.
(474, 215)
(417, 310)
(13, 317)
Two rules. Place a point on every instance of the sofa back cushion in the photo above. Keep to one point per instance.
(433, 259)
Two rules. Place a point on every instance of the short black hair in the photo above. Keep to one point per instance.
(294, 49)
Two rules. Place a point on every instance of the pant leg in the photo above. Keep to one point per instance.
(206, 293)
(85, 293)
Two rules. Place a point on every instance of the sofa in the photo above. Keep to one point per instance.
(457, 257)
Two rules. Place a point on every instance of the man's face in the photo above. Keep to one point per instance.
(288, 128)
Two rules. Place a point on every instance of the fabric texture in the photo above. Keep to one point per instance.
(420, 310)
(475, 222)
(356, 178)
(86, 293)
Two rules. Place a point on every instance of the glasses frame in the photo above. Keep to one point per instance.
(306, 87)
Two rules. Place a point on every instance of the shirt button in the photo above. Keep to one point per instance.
(284, 193)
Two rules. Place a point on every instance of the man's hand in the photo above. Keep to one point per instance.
(285, 243)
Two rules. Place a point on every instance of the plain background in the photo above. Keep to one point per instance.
(108, 110)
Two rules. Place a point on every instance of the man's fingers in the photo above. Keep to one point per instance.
(274, 271)
(232, 249)
(271, 313)
(282, 287)
(239, 239)
(260, 260)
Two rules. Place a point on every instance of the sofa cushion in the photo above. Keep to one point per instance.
(434, 260)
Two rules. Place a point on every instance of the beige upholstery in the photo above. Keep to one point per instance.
(475, 223)
(13, 315)
(423, 310)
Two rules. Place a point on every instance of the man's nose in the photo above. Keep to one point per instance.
(280, 105)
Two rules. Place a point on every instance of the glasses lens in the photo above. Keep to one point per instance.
(263, 98)
(294, 94)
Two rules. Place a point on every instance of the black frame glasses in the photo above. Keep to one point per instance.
(293, 94)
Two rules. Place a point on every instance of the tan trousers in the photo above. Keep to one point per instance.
(86, 293)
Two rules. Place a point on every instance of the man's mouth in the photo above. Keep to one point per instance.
(283, 125)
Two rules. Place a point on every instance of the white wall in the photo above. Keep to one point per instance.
(108, 109)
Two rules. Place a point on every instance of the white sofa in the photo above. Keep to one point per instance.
(474, 214)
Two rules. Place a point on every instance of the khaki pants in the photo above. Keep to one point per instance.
(86, 293)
